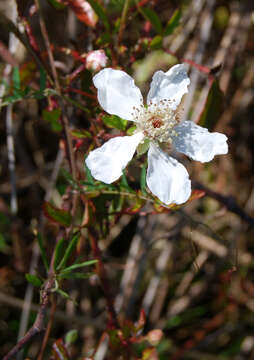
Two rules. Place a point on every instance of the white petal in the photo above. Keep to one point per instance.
(198, 143)
(108, 161)
(117, 92)
(167, 178)
(171, 85)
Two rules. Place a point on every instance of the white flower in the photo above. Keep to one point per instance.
(158, 122)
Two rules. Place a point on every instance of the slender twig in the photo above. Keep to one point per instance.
(38, 325)
(123, 21)
(48, 330)
(48, 47)
(228, 201)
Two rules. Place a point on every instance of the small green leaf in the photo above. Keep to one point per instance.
(59, 252)
(114, 121)
(100, 12)
(90, 179)
(131, 130)
(124, 183)
(34, 280)
(143, 179)
(156, 42)
(43, 251)
(173, 22)
(56, 4)
(75, 275)
(154, 19)
(59, 216)
(16, 81)
(81, 134)
(71, 337)
(77, 266)
(63, 293)
(53, 118)
(71, 247)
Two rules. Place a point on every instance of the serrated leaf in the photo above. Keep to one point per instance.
(71, 337)
(153, 18)
(59, 252)
(77, 266)
(114, 121)
(173, 22)
(58, 216)
(100, 12)
(71, 247)
(43, 251)
(34, 280)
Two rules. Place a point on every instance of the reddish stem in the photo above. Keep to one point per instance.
(113, 322)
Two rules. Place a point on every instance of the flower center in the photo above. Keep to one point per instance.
(157, 120)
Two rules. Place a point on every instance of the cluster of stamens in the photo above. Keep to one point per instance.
(157, 120)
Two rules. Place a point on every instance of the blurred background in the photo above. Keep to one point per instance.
(189, 269)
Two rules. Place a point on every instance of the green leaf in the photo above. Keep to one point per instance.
(131, 130)
(114, 121)
(77, 266)
(34, 280)
(43, 251)
(43, 80)
(100, 12)
(75, 275)
(68, 177)
(71, 337)
(59, 216)
(63, 293)
(59, 252)
(143, 179)
(173, 22)
(90, 179)
(81, 134)
(53, 117)
(156, 42)
(16, 81)
(56, 4)
(124, 183)
(154, 19)
(71, 247)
